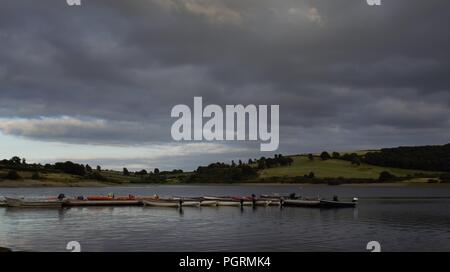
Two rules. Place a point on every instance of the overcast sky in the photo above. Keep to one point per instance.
(96, 83)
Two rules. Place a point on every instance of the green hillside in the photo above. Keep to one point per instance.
(334, 169)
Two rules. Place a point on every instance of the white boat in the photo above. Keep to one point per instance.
(264, 203)
(208, 203)
(191, 203)
(234, 203)
(76, 203)
(22, 203)
(158, 203)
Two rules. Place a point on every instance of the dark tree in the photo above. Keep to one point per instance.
(156, 171)
(88, 168)
(310, 157)
(336, 155)
(261, 164)
(311, 175)
(142, 172)
(250, 161)
(240, 163)
(15, 160)
(325, 156)
(36, 176)
(431, 158)
(233, 164)
(69, 167)
(386, 176)
(356, 161)
(126, 172)
(99, 169)
(13, 175)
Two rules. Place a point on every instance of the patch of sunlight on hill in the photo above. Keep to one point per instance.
(333, 169)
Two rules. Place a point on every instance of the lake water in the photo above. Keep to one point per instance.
(399, 218)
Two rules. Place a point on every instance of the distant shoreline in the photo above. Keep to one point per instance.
(96, 184)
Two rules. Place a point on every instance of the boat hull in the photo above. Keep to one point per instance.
(81, 203)
(191, 204)
(337, 204)
(301, 203)
(161, 204)
(208, 203)
(20, 203)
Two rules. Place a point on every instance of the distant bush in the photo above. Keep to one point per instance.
(386, 176)
(36, 176)
(13, 175)
(96, 176)
(325, 156)
(69, 167)
(445, 177)
(336, 155)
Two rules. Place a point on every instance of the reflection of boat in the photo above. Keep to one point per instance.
(337, 204)
(301, 203)
(22, 203)
(2, 203)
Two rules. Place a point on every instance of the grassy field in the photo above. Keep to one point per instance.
(301, 166)
(334, 169)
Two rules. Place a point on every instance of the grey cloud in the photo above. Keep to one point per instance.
(351, 75)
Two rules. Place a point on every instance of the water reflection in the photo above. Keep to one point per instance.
(411, 225)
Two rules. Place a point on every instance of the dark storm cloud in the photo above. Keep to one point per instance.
(345, 75)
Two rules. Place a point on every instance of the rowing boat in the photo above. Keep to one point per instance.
(301, 203)
(229, 203)
(22, 203)
(264, 203)
(337, 204)
(160, 203)
(208, 203)
(217, 198)
(191, 203)
(75, 203)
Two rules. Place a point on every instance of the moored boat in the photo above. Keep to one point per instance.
(208, 203)
(264, 203)
(162, 203)
(217, 198)
(75, 203)
(301, 203)
(337, 204)
(23, 203)
(99, 198)
(191, 203)
(228, 203)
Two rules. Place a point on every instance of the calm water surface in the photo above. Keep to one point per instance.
(400, 218)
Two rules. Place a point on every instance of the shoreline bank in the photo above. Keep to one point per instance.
(37, 184)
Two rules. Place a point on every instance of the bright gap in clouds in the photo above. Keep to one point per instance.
(109, 157)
